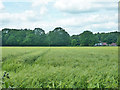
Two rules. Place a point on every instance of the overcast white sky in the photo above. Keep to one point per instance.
(75, 16)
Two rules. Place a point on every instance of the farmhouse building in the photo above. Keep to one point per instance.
(113, 44)
(101, 44)
(105, 44)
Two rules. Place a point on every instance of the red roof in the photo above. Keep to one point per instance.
(113, 44)
(104, 43)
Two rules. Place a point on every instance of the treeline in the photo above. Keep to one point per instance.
(57, 37)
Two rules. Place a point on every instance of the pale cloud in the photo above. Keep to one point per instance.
(42, 5)
(40, 2)
(43, 10)
(85, 20)
(9, 18)
(71, 15)
(73, 25)
(1, 5)
(107, 26)
(81, 6)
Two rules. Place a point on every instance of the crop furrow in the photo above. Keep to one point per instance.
(31, 60)
(17, 55)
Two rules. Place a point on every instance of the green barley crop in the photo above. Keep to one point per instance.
(61, 67)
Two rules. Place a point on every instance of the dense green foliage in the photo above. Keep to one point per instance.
(60, 67)
(57, 37)
(87, 39)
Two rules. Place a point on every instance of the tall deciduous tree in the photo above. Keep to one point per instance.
(59, 37)
(87, 38)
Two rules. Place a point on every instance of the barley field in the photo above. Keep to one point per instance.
(60, 67)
